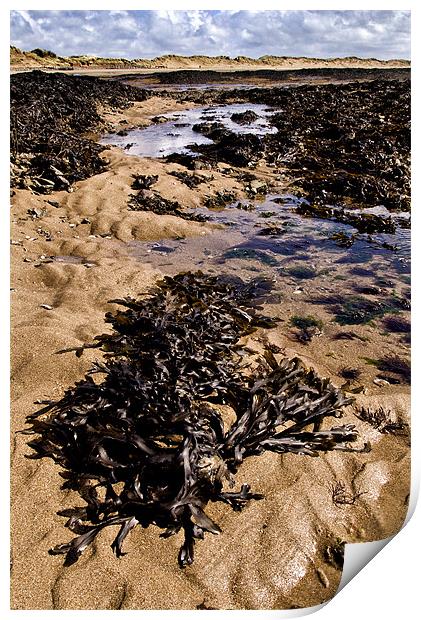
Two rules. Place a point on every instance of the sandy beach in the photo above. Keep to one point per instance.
(67, 261)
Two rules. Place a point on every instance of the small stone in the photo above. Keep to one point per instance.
(46, 307)
(322, 577)
(380, 382)
(257, 186)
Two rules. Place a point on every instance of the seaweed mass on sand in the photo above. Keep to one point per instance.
(152, 424)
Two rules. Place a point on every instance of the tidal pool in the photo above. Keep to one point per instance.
(284, 246)
(174, 136)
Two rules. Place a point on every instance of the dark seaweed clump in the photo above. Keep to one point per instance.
(144, 181)
(242, 150)
(271, 231)
(191, 180)
(334, 554)
(149, 200)
(244, 118)
(145, 443)
(347, 142)
(383, 421)
(395, 365)
(351, 374)
(363, 222)
(51, 124)
(220, 199)
(307, 327)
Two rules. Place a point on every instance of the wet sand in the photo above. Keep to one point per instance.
(275, 554)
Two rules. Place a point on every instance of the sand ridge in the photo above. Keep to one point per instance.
(21, 60)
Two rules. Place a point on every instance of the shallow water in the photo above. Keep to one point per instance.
(299, 256)
(268, 237)
(158, 86)
(174, 136)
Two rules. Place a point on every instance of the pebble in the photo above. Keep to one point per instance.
(322, 577)
(46, 307)
(380, 382)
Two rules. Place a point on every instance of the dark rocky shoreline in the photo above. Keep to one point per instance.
(192, 76)
(338, 143)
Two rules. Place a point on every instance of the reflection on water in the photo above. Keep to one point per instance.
(175, 135)
(296, 241)
(297, 254)
(158, 86)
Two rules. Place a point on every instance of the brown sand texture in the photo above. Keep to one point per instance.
(274, 554)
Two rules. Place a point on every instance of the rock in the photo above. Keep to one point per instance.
(380, 382)
(257, 187)
(244, 118)
(36, 212)
(159, 119)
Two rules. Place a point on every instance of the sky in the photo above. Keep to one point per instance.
(147, 34)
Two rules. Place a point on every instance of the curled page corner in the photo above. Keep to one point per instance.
(357, 555)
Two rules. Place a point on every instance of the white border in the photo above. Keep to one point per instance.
(388, 586)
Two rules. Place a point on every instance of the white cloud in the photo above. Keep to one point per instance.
(137, 34)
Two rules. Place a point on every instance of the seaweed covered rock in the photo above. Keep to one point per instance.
(52, 118)
(340, 143)
(363, 222)
(150, 200)
(146, 443)
(244, 118)
(242, 150)
(208, 128)
(191, 180)
(346, 142)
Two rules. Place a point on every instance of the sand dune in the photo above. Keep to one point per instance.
(20, 59)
